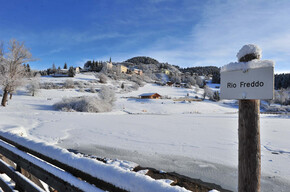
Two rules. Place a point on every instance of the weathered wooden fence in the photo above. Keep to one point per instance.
(26, 167)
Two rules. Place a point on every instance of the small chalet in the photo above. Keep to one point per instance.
(150, 96)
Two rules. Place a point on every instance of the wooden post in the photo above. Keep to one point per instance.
(249, 144)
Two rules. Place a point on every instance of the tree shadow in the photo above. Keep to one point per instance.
(44, 107)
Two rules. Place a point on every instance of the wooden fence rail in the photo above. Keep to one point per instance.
(52, 172)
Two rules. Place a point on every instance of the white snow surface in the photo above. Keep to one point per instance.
(248, 49)
(254, 64)
(130, 181)
(197, 139)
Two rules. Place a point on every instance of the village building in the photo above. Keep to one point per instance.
(108, 65)
(77, 69)
(165, 71)
(122, 68)
(135, 70)
(150, 96)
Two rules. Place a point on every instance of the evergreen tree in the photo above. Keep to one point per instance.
(53, 68)
(71, 72)
(65, 66)
(28, 68)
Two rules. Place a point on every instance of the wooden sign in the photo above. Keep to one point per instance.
(257, 83)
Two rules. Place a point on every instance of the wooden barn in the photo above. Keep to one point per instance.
(150, 96)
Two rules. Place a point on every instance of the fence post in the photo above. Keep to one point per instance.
(249, 143)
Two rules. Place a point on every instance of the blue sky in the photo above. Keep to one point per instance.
(181, 32)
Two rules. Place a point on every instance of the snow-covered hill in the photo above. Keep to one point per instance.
(198, 138)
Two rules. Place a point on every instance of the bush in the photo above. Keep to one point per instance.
(103, 78)
(83, 104)
(69, 83)
(208, 92)
(107, 95)
(216, 96)
(92, 89)
(33, 87)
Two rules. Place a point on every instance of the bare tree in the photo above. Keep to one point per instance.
(12, 70)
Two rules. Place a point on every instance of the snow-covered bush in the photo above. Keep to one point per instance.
(103, 78)
(69, 83)
(81, 89)
(135, 86)
(191, 80)
(92, 89)
(282, 97)
(176, 79)
(208, 92)
(199, 82)
(79, 84)
(83, 104)
(107, 95)
(33, 87)
(137, 80)
(48, 85)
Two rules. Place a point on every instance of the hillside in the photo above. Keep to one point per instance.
(142, 60)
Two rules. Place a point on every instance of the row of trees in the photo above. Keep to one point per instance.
(282, 81)
(95, 66)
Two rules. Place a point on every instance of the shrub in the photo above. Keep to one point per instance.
(103, 78)
(69, 83)
(208, 92)
(216, 96)
(92, 89)
(33, 87)
(83, 104)
(107, 95)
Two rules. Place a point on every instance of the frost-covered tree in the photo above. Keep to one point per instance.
(199, 82)
(12, 71)
(176, 79)
(103, 78)
(33, 87)
(107, 95)
(208, 92)
(69, 83)
(281, 97)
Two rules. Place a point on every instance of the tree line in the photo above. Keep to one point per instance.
(282, 81)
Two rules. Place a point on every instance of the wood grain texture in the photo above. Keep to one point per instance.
(249, 146)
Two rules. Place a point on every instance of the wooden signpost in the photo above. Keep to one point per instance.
(249, 86)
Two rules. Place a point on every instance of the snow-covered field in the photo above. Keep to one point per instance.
(197, 139)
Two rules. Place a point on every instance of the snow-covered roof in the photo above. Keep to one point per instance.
(147, 94)
(254, 64)
(249, 49)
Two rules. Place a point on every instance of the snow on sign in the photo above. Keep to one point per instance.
(251, 80)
